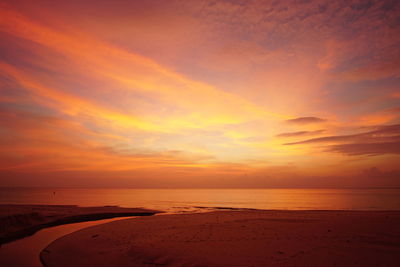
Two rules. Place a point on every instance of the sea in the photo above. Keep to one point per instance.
(195, 200)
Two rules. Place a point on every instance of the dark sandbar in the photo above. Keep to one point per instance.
(18, 221)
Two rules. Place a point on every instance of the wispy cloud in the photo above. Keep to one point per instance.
(383, 140)
(305, 120)
(300, 133)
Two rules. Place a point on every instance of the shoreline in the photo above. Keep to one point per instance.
(20, 221)
(236, 238)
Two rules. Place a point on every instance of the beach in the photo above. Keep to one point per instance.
(236, 238)
(199, 133)
(18, 221)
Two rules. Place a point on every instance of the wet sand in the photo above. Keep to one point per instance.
(236, 238)
(18, 221)
(30, 247)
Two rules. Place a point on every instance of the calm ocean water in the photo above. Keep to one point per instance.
(175, 200)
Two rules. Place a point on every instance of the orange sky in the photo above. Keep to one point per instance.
(199, 93)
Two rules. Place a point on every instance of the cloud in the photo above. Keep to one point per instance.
(385, 116)
(33, 142)
(377, 173)
(160, 85)
(380, 132)
(378, 148)
(305, 120)
(131, 73)
(382, 140)
(300, 133)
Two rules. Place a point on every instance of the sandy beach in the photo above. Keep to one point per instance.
(18, 221)
(236, 238)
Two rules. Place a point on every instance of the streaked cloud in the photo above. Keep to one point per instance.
(379, 148)
(383, 140)
(305, 120)
(300, 133)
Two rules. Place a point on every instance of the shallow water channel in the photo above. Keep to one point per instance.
(25, 252)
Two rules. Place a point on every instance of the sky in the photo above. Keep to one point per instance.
(176, 93)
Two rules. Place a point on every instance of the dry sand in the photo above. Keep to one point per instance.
(236, 238)
(17, 221)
